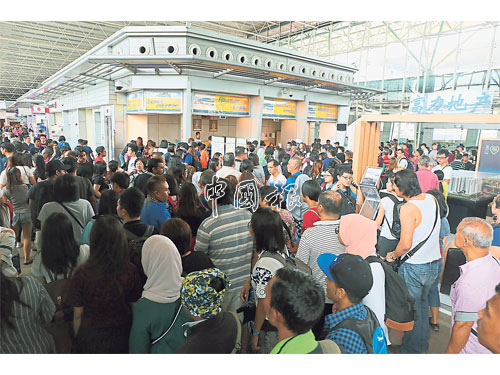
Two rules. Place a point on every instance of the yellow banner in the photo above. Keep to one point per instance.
(134, 105)
(232, 104)
(285, 108)
(322, 112)
(164, 104)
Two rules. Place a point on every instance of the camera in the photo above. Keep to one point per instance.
(118, 86)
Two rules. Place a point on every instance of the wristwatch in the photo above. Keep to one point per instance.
(392, 256)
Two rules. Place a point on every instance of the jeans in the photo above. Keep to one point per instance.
(434, 294)
(419, 279)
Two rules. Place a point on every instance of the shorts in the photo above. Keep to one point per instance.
(21, 219)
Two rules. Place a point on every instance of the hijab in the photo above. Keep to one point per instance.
(195, 179)
(163, 266)
(359, 234)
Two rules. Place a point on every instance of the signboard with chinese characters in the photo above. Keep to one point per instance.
(163, 101)
(452, 102)
(322, 112)
(135, 102)
(488, 157)
(224, 105)
(279, 109)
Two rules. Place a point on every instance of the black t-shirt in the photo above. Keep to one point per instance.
(101, 181)
(194, 221)
(85, 170)
(40, 193)
(138, 228)
(141, 181)
(195, 261)
(35, 150)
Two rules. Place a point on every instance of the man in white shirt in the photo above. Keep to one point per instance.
(433, 153)
(442, 159)
(276, 178)
(131, 152)
(402, 161)
(228, 167)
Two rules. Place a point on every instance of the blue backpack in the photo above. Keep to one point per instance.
(369, 330)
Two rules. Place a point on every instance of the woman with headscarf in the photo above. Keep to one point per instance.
(359, 235)
(158, 315)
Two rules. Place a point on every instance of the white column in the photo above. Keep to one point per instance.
(186, 118)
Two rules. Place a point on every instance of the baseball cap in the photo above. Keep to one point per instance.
(199, 297)
(55, 165)
(350, 272)
(99, 149)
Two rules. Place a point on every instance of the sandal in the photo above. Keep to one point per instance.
(435, 327)
(28, 262)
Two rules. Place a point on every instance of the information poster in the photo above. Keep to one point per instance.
(163, 101)
(214, 104)
(218, 145)
(279, 109)
(488, 157)
(230, 145)
(322, 112)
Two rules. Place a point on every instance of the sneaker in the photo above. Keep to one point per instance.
(19, 245)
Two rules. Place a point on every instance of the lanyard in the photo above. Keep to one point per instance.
(286, 342)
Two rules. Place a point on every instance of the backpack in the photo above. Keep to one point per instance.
(409, 165)
(288, 262)
(399, 304)
(369, 330)
(135, 245)
(197, 165)
(395, 228)
(348, 203)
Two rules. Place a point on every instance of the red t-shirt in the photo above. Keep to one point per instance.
(310, 217)
(99, 159)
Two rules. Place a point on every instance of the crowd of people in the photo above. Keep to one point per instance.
(167, 250)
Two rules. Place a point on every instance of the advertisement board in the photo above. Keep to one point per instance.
(225, 105)
(452, 102)
(322, 112)
(279, 109)
(135, 102)
(488, 157)
(162, 101)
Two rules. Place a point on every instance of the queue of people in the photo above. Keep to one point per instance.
(174, 250)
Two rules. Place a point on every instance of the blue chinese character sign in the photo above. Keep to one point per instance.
(452, 102)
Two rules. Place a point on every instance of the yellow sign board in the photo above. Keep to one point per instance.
(135, 101)
(322, 112)
(279, 109)
(163, 101)
(237, 105)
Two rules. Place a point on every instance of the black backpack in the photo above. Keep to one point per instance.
(395, 228)
(399, 304)
(288, 262)
(348, 203)
(197, 165)
(135, 245)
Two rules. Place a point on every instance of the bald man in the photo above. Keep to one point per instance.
(475, 286)
(294, 169)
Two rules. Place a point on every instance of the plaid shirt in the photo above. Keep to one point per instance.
(348, 339)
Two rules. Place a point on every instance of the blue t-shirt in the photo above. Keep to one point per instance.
(188, 159)
(155, 214)
(444, 231)
(496, 235)
(290, 182)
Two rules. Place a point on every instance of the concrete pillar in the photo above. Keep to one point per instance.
(302, 107)
(186, 118)
(82, 122)
(256, 107)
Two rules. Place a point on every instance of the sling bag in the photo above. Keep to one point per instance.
(71, 214)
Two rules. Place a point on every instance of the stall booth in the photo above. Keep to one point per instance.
(470, 192)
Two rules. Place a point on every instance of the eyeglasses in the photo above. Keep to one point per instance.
(349, 178)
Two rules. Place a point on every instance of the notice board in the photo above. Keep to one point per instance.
(488, 157)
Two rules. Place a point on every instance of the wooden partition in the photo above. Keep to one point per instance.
(366, 142)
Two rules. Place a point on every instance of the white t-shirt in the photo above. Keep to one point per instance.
(39, 270)
(131, 165)
(279, 181)
(26, 173)
(403, 163)
(263, 271)
(447, 170)
(388, 205)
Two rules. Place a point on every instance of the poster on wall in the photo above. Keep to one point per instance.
(214, 104)
(279, 109)
(197, 125)
(218, 145)
(230, 145)
(135, 102)
(164, 101)
(488, 157)
(213, 126)
(322, 112)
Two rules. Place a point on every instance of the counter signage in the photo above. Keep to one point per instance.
(279, 109)
(322, 112)
(163, 101)
(488, 157)
(135, 101)
(218, 145)
(453, 102)
(215, 104)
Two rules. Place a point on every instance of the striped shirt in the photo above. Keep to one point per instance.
(457, 165)
(29, 335)
(228, 242)
(319, 239)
